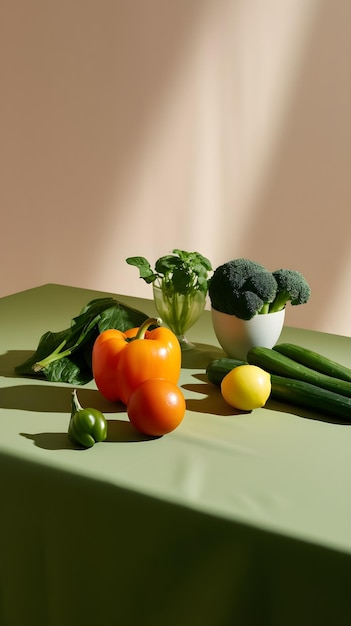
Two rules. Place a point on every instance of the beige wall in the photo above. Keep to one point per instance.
(222, 126)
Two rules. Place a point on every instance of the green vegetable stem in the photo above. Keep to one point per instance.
(87, 426)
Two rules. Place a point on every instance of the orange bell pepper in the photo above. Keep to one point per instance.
(122, 360)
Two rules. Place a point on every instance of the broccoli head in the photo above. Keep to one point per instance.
(243, 288)
(292, 286)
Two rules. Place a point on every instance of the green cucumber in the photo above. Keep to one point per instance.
(276, 363)
(218, 368)
(316, 361)
(290, 390)
(309, 396)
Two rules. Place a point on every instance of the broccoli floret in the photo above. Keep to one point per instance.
(227, 281)
(292, 286)
(264, 285)
(243, 288)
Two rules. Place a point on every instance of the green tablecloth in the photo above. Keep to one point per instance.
(229, 520)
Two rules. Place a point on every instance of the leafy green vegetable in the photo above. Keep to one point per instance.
(181, 272)
(65, 356)
(180, 284)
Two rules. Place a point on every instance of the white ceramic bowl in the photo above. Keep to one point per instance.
(237, 336)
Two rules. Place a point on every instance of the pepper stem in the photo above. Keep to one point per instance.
(75, 404)
(150, 321)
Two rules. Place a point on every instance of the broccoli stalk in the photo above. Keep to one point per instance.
(291, 286)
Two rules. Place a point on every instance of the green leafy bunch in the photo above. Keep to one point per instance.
(182, 272)
(65, 356)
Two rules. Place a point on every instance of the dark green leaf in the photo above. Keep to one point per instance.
(68, 370)
(182, 280)
(121, 317)
(65, 356)
(47, 344)
(144, 267)
(167, 264)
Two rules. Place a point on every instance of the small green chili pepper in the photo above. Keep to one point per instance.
(86, 426)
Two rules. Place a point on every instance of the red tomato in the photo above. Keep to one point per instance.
(156, 407)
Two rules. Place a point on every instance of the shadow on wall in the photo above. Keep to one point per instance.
(303, 204)
(84, 85)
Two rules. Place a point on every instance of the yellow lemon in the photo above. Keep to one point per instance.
(246, 387)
